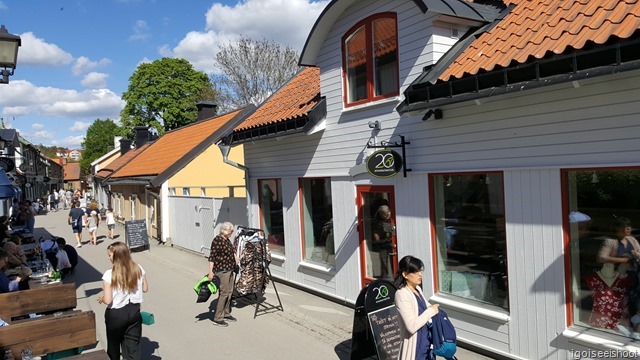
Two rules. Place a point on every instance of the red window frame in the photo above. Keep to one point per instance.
(367, 23)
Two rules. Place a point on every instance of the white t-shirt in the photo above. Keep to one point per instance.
(110, 219)
(122, 298)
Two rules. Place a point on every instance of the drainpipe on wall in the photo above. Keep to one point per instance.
(225, 149)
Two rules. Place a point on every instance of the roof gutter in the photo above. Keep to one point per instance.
(225, 149)
(425, 96)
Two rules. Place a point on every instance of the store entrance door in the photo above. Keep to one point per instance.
(377, 232)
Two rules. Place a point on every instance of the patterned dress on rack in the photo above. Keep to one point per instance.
(253, 277)
(609, 302)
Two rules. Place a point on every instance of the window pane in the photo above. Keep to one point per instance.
(356, 49)
(604, 210)
(271, 213)
(318, 221)
(470, 232)
(385, 45)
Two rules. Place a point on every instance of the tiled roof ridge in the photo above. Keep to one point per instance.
(198, 122)
(536, 28)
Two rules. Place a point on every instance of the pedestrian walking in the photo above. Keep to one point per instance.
(62, 199)
(222, 263)
(92, 226)
(30, 216)
(122, 287)
(415, 311)
(76, 220)
(111, 222)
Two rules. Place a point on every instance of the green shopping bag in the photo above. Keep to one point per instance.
(205, 288)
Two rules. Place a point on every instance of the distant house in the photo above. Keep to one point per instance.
(74, 155)
(72, 176)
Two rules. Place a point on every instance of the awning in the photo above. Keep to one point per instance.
(7, 189)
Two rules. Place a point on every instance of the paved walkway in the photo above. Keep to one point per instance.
(309, 328)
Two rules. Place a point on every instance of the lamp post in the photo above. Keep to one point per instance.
(9, 44)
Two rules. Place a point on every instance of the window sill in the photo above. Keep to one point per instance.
(278, 257)
(321, 268)
(386, 101)
(599, 340)
(471, 307)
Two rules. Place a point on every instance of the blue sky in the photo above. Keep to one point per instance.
(77, 55)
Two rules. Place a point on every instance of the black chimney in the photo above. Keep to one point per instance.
(125, 145)
(206, 109)
(142, 135)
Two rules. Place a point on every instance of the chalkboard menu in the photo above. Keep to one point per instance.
(376, 323)
(385, 327)
(136, 233)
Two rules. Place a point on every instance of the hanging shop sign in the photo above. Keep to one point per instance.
(384, 163)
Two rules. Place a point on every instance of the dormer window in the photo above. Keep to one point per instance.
(370, 60)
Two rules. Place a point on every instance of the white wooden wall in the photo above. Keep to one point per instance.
(529, 136)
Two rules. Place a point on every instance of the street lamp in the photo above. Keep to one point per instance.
(9, 44)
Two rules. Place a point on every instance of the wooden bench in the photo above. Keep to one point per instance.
(62, 327)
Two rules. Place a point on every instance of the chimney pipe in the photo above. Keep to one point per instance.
(142, 135)
(206, 110)
(125, 145)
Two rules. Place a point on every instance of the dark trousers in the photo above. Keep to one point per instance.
(124, 329)
(224, 295)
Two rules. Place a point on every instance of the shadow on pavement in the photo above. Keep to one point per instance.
(343, 350)
(148, 348)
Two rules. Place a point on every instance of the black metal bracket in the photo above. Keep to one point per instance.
(394, 144)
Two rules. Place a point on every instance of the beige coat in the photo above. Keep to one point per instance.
(609, 248)
(410, 322)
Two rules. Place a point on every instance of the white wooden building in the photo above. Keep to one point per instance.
(503, 140)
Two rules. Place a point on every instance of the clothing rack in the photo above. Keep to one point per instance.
(259, 295)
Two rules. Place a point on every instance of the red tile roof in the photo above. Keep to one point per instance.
(72, 171)
(293, 100)
(172, 146)
(537, 28)
(121, 161)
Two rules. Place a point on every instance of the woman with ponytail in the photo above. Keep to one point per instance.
(122, 287)
(415, 311)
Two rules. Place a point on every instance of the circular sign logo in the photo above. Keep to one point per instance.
(384, 163)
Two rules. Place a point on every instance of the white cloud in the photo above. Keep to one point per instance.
(38, 136)
(37, 126)
(3, 6)
(21, 97)
(70, 142)
(83, 65)
(95, 80)
(285, 22)
(79, 126)
(35, 51)
(140, 31)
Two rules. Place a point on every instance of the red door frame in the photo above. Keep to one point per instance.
(360, 223)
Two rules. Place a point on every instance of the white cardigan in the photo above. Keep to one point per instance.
(410, 322)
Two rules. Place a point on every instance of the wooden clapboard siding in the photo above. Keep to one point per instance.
(558, 126)
(535, 261)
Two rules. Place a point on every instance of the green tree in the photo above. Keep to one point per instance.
(163, 94)
(252, 70)
(97, 142)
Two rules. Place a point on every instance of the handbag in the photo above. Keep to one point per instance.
(147, 318)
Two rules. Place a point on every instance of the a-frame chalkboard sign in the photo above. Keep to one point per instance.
(135, 232)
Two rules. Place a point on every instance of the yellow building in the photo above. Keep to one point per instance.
(185, 162)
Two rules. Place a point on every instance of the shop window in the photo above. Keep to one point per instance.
(317, 220)
(603, 216)
(470, 242)
(370, 63)
(271, 215)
